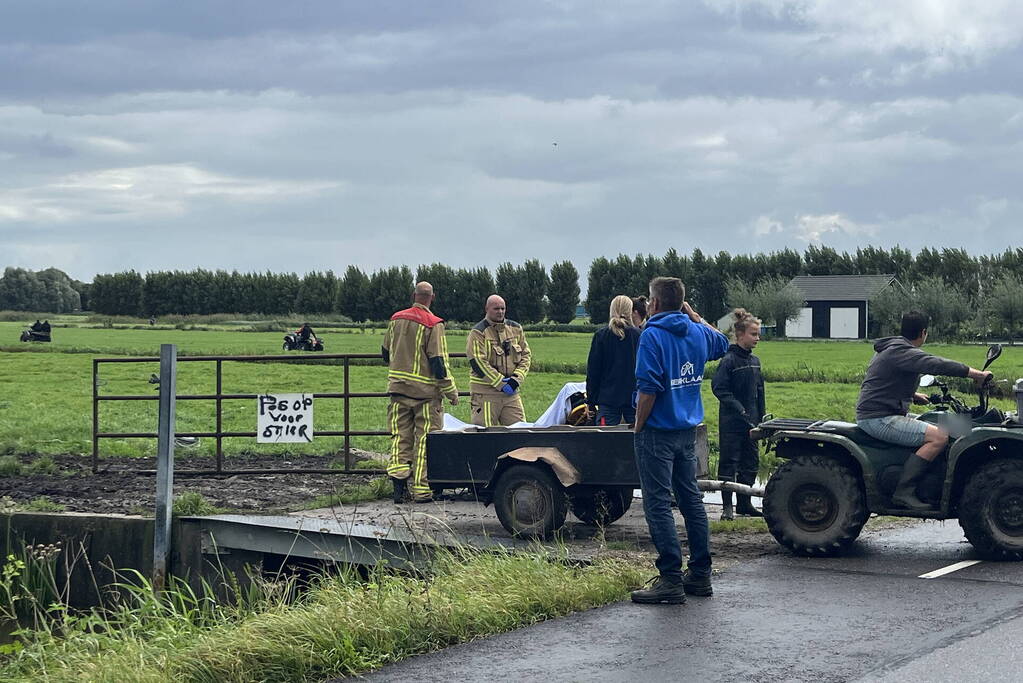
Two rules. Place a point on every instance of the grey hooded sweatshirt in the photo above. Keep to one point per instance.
(893, 376)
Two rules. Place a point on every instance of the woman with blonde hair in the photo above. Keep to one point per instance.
(739, 387)
(611, 366)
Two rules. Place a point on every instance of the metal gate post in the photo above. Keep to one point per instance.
(165, 464)
(347, 426)
(95, 416)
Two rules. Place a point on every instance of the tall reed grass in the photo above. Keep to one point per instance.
(344, 624)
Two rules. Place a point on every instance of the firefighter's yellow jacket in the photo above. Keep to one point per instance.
(496, 351)
(417, 355)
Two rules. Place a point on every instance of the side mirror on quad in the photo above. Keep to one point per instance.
(927, 380)
(993, 352)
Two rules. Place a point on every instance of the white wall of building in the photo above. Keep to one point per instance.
(801, 325)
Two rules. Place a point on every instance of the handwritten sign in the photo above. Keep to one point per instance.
(284, 418)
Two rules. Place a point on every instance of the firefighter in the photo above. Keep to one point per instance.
(416, 354)
(498, 363)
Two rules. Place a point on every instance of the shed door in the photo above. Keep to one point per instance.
(801, 325)
(845, 323)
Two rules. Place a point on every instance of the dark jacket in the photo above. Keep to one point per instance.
(611, 368)
(893, 376)
(739, 387)
(673, 351)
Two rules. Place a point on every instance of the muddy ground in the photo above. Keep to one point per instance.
(116, 488)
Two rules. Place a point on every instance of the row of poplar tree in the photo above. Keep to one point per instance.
(962, 283)
(532, 292)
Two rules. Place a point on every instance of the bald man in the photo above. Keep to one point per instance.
(416, 354)
(498, 365)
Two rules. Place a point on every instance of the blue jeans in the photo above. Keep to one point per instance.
(666, 460)
(615, 415)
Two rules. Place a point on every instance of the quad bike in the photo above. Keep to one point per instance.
(836, 475)
(34, 336)
(292, 342)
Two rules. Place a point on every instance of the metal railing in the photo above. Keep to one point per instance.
(345, 395)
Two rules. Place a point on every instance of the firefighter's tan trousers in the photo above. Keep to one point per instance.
(410, 419)
(489, 410)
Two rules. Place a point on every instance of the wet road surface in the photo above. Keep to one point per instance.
(865, 617)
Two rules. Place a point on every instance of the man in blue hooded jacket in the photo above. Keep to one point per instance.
(673, 349)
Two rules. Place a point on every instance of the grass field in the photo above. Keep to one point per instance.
(558, 351)
(45, 394)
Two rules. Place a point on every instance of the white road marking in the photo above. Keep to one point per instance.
(949, 569)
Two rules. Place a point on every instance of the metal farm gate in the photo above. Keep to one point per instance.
(344, 415)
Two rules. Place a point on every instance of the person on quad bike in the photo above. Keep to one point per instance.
(739, 387)
(306, 334)
(892, 378)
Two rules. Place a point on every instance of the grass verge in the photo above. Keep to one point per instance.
(343, 626)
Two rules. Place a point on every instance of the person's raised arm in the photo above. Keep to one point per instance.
(717, 343)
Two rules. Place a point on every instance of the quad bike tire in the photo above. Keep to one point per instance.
(601, 506)
(530, 502)
(991, 510)
(815, 506)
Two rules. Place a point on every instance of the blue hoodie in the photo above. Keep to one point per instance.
(669, 364)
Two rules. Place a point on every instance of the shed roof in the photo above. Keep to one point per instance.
(841, 287)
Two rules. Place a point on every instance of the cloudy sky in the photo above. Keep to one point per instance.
(311, 135)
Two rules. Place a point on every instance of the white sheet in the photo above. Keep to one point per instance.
(556, 413)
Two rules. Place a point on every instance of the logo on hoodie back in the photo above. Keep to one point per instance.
(686, 376)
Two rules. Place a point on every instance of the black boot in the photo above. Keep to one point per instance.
(727, 513)
(743, 504)
(400, 489)
(905, 492)
(661, 591)
(697, 585)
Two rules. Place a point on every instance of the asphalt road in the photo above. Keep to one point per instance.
(864, 617)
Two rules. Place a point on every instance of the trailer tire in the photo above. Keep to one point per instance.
(815, 506)
(530, 502)
(601, 506)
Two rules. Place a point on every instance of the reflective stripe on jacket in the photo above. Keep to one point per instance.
(417, 355)
(496, 351)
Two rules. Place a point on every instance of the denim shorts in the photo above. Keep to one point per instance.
(898, 429)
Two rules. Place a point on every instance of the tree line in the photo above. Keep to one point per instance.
(49, 290)
(960, 290)
(533, 293)
(708, 276)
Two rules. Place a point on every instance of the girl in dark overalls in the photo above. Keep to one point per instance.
(739, 387)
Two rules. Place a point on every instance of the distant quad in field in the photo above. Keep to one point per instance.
(835, 475)
(292, 342)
